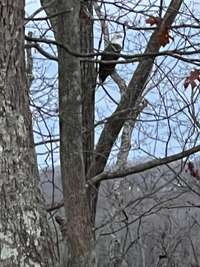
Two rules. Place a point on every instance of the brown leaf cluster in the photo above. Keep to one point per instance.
(153, 20)
(163, 34)
(192, 79)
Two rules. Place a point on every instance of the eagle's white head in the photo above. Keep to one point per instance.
(117, 39)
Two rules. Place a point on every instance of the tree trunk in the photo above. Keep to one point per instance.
(88, 83)
(78, 234)
(23, 225)
(76, 95)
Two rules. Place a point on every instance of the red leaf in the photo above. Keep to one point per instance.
(193, 172)
(164, 36)
(153, 20)
(192, 78)
(190, 166)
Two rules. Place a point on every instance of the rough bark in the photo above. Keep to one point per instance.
(88, 83)
(23, 225)
(78, 229)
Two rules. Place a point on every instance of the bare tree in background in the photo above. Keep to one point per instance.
(147, 101)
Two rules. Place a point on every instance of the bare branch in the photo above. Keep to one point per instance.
(106, 175)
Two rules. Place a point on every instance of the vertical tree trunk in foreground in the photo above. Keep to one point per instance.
(88, 83)
(76, 97)
(23, 224)
(78, 234)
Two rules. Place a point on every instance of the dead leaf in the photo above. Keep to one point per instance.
(164, 36)
(153, 20)
(192, 79)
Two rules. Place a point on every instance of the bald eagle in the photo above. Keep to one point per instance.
(114, 46)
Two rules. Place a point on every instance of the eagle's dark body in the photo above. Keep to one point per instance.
(106, 69)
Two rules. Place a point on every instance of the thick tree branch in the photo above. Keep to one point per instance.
(41, 51)
(106, 175)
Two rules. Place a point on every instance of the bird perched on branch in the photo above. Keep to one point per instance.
(114, 47)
